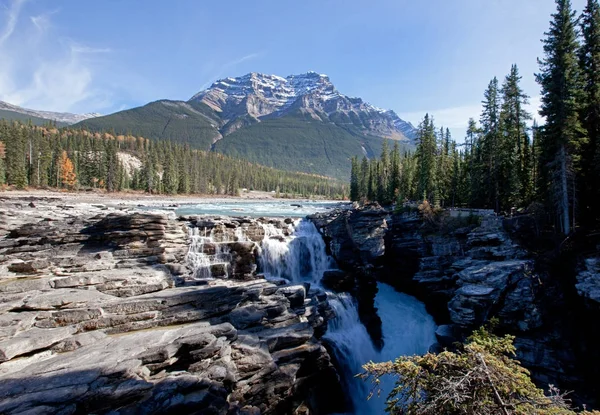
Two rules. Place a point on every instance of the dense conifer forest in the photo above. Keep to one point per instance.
(46, 157)
(503, 164)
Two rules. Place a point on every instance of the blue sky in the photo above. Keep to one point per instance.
(433, 56)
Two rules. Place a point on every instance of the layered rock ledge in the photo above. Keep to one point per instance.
(101, 313)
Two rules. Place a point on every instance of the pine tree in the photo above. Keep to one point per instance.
(16, 162)
(490, 126)
(2, 163)
(394, 183)
(354, 180)
(562, 134)
(170, 175)
(383, 175)
(426, 154)
(363, 187)
(473, 164)
(514, 172)
(589, 59)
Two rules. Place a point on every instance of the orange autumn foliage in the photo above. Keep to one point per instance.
(67, 171)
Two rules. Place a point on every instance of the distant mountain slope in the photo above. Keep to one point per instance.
(17, 116)
(191, 123)
(300, 143)
(301, 122)
(14, 112)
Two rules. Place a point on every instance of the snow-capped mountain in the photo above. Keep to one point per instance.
(63, 117)
(250, 98)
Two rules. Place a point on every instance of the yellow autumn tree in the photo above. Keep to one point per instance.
(67, 171)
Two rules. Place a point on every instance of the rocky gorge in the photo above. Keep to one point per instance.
(473, 267)
(116, 309)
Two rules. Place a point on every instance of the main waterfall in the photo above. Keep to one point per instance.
(407, 328)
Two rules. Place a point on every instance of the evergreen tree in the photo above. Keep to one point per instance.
(589, 58)
(490, 126)
(426, 154)
(170, 175)
(511, 153)
(562, 134)
(383, 175)
(394, 183)
(16, 162)
(364, 178)
(354, 180)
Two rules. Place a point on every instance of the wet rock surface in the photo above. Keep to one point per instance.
(100, 313)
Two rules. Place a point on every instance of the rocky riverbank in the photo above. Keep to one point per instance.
(469, 271)
(101, 312)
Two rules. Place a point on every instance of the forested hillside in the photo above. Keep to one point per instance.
(193, 124)
(301, 143)
(47, 157)
(552, 169)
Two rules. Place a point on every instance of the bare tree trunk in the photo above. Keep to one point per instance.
(564, 192)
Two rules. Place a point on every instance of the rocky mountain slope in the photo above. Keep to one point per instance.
(301, 122)
(14, 112)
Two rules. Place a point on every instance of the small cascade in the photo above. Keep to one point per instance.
(209, 255)
(196, 256)
(297, 254)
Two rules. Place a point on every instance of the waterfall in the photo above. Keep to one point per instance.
(209, 256)
(298, 254)
(298, 257)
(196, 256)
(352, 348)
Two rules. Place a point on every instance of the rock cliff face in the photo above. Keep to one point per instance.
(471, 273)
(100, 312)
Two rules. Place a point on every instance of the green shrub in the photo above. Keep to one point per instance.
(481, 378)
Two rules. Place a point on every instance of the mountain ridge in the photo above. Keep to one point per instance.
(60, 117)
(262, 95)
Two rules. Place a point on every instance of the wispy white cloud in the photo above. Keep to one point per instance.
(42, 21)
(224, 68)
(42, 70)
(242, 59)
(12, 16)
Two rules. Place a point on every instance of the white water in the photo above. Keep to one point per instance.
(201, 261)
(299, 257)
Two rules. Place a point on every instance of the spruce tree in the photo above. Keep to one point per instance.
(514, 172)
(589, 59)
(16, 162)
(426, 155)
(490, 126)
(354, 180)
(562, 134)
(394, 182)
(363, 178)
(383, 175)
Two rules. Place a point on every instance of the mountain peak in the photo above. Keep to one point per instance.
(260, 95)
